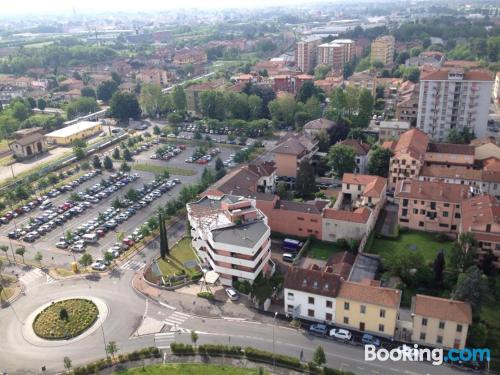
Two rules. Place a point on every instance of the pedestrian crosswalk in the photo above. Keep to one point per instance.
(35, 277)
(133, 265)
(163, 340)
(175, 320)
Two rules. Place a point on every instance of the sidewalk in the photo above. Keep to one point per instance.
(192, 304)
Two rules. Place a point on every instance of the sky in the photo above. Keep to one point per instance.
(64, 6)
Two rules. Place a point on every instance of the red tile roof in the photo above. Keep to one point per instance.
(312, 281)
(361, 148)
(472, 75)
(442, 308)
(370, 294)
(479, 211)
(360, 215)
(413, 142)
(431, 191)
(374, 186)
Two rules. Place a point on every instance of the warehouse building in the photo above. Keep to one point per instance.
(69, 134)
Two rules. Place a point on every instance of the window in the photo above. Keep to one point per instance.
(329, 304)
(439, 339)
(329, 317)
(405, 202)
(447, 205)
(311, 300)
(420, 223)
(362, 309)
(290, 296)
(445, 213)
(310, 313)
(404, 212)
(290, 308)
(415, 211)
(457, 215)
(441, 325)
(346, 305)
(381, 328)
(382, 313)
(459, 328)
(424, 321)
(422, 336)
(300, 218)
(346, 320)
(433, 205)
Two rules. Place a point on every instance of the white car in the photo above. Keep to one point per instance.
(232, 294)
(78, 248)
(340, 334)
(98, 266)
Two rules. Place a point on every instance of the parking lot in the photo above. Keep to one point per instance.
(46, 244)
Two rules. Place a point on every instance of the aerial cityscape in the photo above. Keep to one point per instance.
(216, 187)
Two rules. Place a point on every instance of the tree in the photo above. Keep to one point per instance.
(124, 167)
(106, 90)
(307, 90)
(282, 191)
(338, 103)
(305, 184)
(174, 118)
(321, 71)
(5, 248)
(124, 106)
(79, 152)
(179, 98)
(342, 159)
(85, 260)
(213, 105)
(108, 163)
(463, 136)
(319, 357)
(472, 288)
(151, 99)
(438, 267)
(20, 111)
(96, 162)
(313, 107)
(111, 348)
(365, 108)
(88, 92)
(127, 156)
(463, 252)
(108, 257)
(116, 154)
(81, 106)
(379, 161)
(255, 107)
(38, 257)
(283, 110)
(156, 130)
(164, 249)
(67, 364)
(21, 251)
(41, 104)
(116, 78)
(194, 337)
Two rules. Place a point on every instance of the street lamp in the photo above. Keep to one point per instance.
(274, 352)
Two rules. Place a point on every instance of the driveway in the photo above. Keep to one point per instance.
(390, 216)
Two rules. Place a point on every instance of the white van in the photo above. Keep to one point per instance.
(45, 204)
(90, 238)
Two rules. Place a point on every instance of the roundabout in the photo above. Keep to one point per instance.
(65, 320)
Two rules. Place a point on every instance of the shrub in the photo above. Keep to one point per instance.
(197, 276)
(334, 371)
(243, 286)
(80, 371)
(261, 355)
(313, 368)
(134, 356)
(206, 295)
(342, 243)
(215, 349)
(122, 358)
(181, 349)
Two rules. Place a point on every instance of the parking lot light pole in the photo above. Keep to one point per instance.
(274, 352)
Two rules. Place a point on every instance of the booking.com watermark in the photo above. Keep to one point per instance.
(436, 356)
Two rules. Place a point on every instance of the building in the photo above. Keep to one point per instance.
(407, 102)
(28, 142)
(155, 76)
(330, 83)
(409, 153)
(388, 130)
(336, 53)
(496, 89)
(428, 58)
(193, 95)
(289, 153)
(306, 52)
(71, 133)
(481, 216)
(310, 293)
(231, 236)
(195, 56)
(454, 99)
(362, 149)
(364, 80)
(440, 322)
(383, 49)
(367, 308)
(430, 205)
(315, 127)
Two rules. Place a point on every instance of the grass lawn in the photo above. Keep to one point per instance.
(180, 253)
(190, 369)
(8, 284)
(322, 250)
(4, 145)
(158, 169)
(426, 244)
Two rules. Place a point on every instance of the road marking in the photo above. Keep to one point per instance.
(167, 306)
(163, 340)
(36, 277)
(133, 265)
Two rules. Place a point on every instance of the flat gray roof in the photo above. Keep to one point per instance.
(246, 235)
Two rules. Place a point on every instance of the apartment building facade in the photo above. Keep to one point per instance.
(440, 322)
(306, 53)
(336, 53)
(454, 99)
(383, 49)
(289, 153)
(430, 205)
(231, 236)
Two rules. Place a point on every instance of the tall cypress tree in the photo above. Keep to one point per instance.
(163, 237)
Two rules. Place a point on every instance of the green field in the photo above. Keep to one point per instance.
(158, 169)
(322, 250)
(420, 242)
(190, 369)
(180, 253)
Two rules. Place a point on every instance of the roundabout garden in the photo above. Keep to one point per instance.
(66, 319)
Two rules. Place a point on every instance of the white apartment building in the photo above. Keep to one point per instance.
(306, 52)
(231, 236)
(454, 98)
(336, 53)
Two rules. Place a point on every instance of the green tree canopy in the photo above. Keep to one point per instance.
(342, 159)
(124, 106)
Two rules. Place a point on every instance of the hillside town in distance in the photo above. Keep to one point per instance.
(241, 189)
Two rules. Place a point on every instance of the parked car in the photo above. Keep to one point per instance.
(232, 294)
(97, 266)
(62, 245)
(340, 334)
(318, 328)
(368, 339)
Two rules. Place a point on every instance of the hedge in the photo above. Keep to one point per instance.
(214, 349)
(262, 355)
(206, 295)
(334, 371)
(182, 349)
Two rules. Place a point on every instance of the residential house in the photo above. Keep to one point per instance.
(449, 154)
(365, 79)
(440, 322)
(155, 76)
(330, 83)
(362, 149)
(289, 153)
(407, 102)
(430, 205)
(315, 127)
(388, 130)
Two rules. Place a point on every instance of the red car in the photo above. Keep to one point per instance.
(100, 232)
(128, 241)
(202, 161)
(19, 210)
(182, 147)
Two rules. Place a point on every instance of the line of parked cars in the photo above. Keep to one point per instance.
(167, 152)
(51, 194)
(341, 334)
(203, 158)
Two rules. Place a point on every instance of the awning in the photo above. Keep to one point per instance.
(211, 277)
